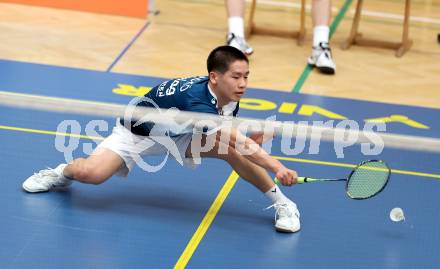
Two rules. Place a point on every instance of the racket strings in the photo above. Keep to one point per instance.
(368, 179)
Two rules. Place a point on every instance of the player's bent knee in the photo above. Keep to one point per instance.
(97, 178)
(91, 174)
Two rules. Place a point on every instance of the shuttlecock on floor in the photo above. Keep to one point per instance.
(396, 214)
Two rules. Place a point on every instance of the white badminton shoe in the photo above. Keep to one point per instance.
(286, 217)
(46, 180)
(239, 43)
(321, 58)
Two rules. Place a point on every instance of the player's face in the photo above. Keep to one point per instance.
(232, 84)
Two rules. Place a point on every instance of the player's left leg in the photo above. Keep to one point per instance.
(287, 215)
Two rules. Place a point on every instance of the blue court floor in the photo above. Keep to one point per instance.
(148, 219)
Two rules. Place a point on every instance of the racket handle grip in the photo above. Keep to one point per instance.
(300, 180)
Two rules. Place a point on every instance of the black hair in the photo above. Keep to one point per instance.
(221, 57)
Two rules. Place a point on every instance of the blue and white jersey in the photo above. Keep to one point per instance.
(188, 94)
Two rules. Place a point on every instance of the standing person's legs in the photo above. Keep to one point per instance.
(321, 15)
(236, 37)
(235, 9)
(321, 56)
(321, 12)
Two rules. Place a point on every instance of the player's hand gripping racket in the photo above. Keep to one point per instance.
(365, 181)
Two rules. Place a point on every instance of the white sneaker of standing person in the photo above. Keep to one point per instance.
(239, 43)
(321, 58)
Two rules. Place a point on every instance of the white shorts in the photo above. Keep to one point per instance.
(131, 147)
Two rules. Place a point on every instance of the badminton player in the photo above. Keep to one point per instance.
(218, 93)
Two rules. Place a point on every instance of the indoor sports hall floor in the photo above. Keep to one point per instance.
(206, 217)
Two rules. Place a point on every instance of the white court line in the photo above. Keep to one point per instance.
(364, 12)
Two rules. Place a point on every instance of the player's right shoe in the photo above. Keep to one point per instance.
(239, 43)
(321, 58)
(46, 180)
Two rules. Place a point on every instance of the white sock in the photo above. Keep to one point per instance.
(60, 170)
(321, 33)
(276, 196)
(236, 26)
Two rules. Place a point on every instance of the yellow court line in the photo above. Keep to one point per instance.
(396, 171)
(53, 98)
(282, 158)
(28, 130)
(298, 160)
(206, 222)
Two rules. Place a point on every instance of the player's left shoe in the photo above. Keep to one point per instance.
(287, 217)
(321, 58)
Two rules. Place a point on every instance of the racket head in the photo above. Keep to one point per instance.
(367, 179)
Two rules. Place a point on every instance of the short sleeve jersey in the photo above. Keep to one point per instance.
(187, 94)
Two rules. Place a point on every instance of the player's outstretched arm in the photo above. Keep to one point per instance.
(256, 154)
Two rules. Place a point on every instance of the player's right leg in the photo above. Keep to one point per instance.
(113, 156)
(95, 169)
